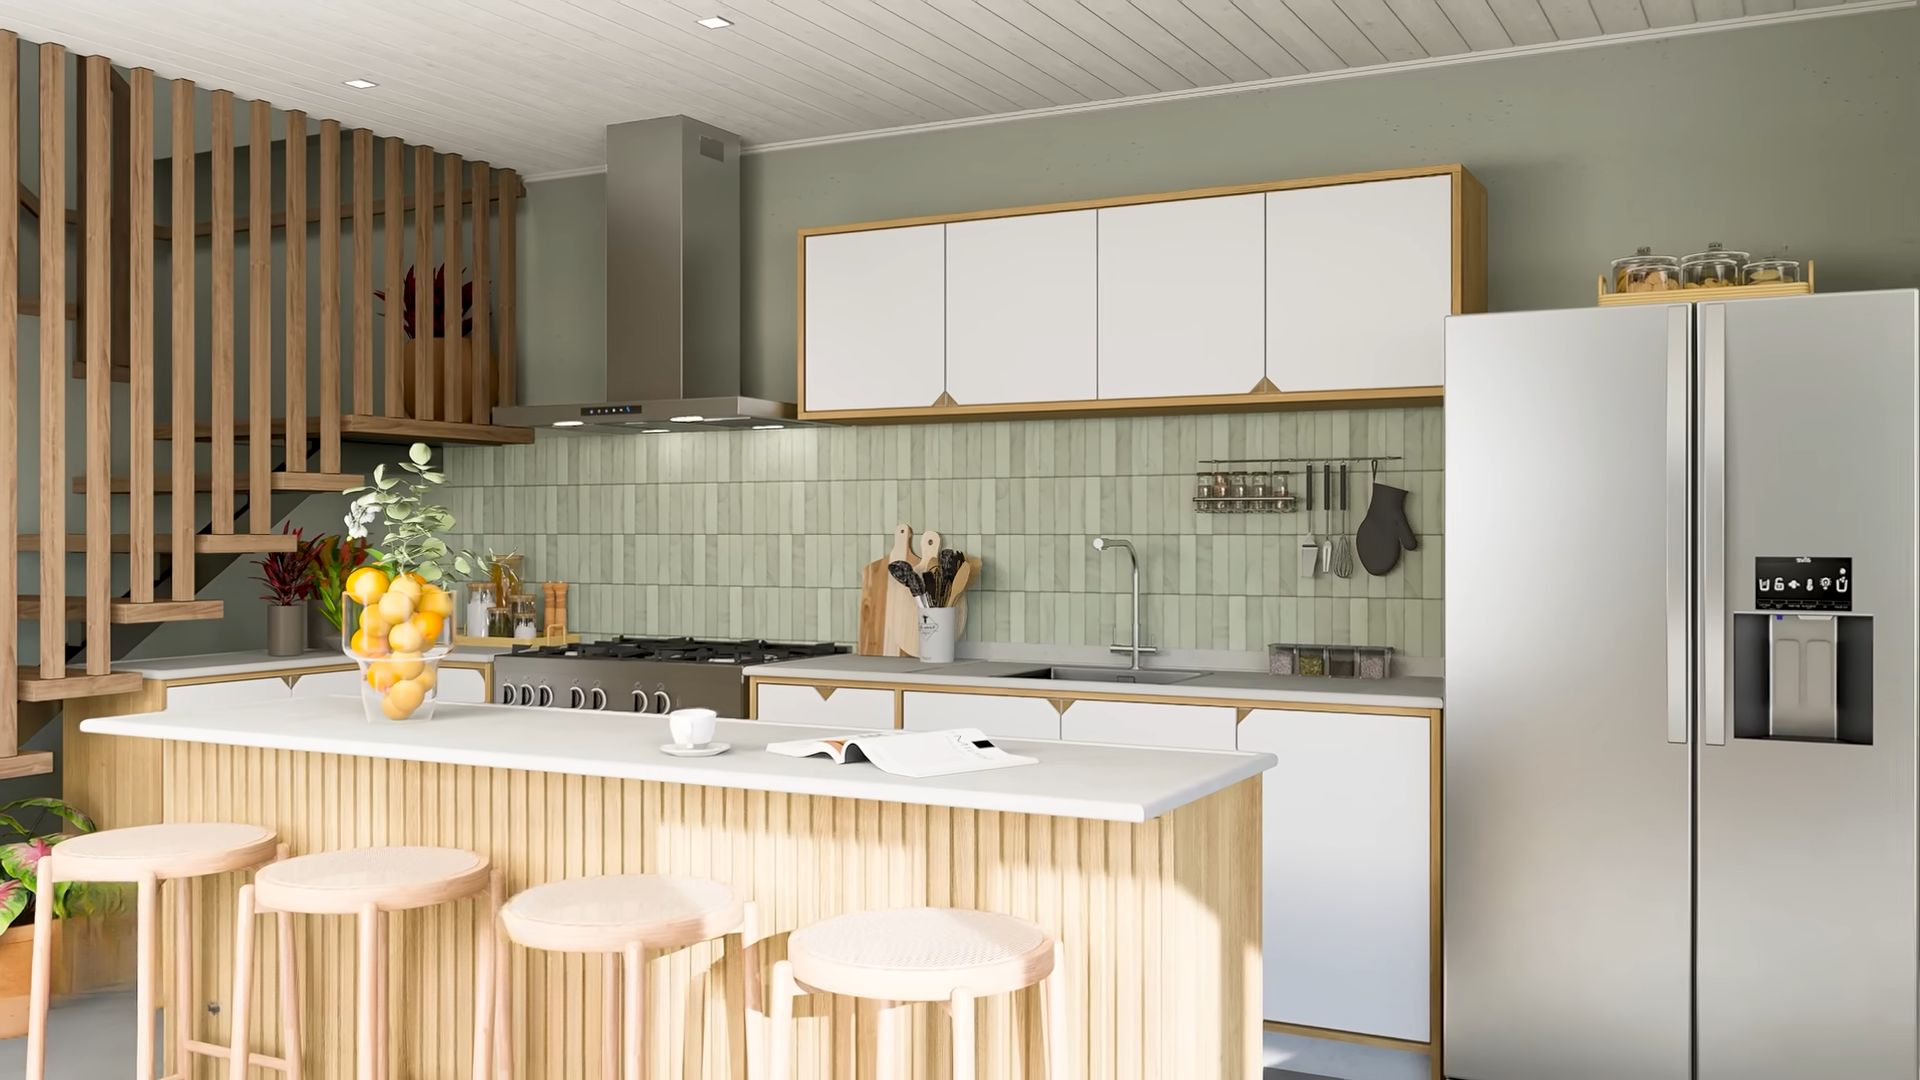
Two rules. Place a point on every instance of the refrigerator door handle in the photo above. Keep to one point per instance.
(1713, 523)
(1679, 515)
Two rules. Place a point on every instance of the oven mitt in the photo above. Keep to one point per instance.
(1385, 531)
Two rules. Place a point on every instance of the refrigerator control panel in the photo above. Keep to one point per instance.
(1803, 583)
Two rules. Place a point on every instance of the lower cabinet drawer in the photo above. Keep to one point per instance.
(996, 715)
(464, 685)
(1140, 723)
(826, 705)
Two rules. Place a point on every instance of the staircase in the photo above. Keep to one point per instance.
(336, 382)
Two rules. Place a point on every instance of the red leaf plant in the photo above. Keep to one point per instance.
(288, 575)
(408, 320)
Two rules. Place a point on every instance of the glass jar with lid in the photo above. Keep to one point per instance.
(1773, 272)
(1714, 268)
(1643, 271)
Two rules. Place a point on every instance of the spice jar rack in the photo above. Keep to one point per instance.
(1260, 485)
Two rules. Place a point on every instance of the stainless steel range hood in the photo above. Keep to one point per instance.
(673, 289)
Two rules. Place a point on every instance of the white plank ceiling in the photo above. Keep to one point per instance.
(530, 84)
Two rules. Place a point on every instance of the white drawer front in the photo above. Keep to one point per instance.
(828, 706)
(997, 715)
(242, 692)
(1190, 727)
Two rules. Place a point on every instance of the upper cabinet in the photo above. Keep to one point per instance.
(1260, 296)
(875, 309)
(1020, 309)
(1180, 298)
(1359, 284)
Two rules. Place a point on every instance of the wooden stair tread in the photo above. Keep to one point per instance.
(76, 684)
(382, 429)
(317, 482)
(203, 543)
(31, 763)
(129, 613)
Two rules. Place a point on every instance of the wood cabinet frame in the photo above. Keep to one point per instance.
(1469, 295)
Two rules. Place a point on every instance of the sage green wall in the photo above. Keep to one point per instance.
(1798, 136)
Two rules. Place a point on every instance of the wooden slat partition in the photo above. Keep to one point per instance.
(482, 373)
(329, 208)
(139, 277)
(9, 390)
(509, 386)
(53, 350)
(296, 245)
(120, 94)
(220, 384)
(452, 369)
(363, 271)
(98, 343)
(260, 319)
(423, 381)
(393, 355)
(181, 271)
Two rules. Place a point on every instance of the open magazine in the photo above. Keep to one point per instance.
(909, 753)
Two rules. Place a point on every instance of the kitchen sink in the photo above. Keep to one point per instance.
(1150, 676)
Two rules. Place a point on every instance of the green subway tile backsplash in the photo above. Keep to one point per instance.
(763, 533)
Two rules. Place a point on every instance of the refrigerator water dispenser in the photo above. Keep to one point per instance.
(1803, 677)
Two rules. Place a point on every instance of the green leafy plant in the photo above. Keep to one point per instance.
(412, 542)
(22, 848)
(334, 557)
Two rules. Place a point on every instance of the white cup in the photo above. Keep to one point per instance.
(692, 728)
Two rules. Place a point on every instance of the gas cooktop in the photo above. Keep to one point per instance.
(684, 650)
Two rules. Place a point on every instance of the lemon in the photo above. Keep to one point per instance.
(382, 676)
(427, 679)
(366, 584)
(428, 624)
(396, 607)
(408, 585)
(437, 601)
(406, 637)
(402, 699)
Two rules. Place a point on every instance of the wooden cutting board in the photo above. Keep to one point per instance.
(875, 633)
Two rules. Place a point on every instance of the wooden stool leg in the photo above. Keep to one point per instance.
(633, 1039)
(610, 1015)
(383, 1025)
(889, 1016)
(290, 1046)
(1053, 993)
(180, 1009)
(367, 1037)
(239, 1047)
(961, 1008)
(780, 1023)
(485, 926)
(146, 978)
(502, 993)
(41, 994)
(751, 981)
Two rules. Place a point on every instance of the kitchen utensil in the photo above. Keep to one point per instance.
(899, 630)
(1343, 544)
(1309, 555)
(950, 563)
(871, 629)
(1326, 497)
(964, 576)
(903, 573)
(928, 552)
(1385, 531)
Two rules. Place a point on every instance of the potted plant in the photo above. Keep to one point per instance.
(24, 913)
(449, 348)
(334, 557)
(399, 604)
(286, 576)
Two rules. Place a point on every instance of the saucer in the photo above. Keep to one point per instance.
(697, 751)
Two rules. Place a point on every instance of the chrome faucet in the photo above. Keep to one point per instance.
(1102, 543)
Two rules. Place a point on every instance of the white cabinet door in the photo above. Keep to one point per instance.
(1191, 727)
(827, 706)
(464, 685)
(875, 337)
(997, 715)
(222, 694)
(328, 683)
(1181, 301)
(1021, 309)
(1346, 896)
(1359, 284)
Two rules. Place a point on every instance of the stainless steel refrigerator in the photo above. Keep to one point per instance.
(1680, 642)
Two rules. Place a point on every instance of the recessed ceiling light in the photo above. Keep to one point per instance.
(569, 423)
(687, 419)
(715, 22)
(362, 84)
(654, 431)
(768, 427)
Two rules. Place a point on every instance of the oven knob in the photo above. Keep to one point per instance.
(506, 693)
(576, 698)
(544, 698)
(599, 699)
(662, 701)
(526, 695)
(641, 702)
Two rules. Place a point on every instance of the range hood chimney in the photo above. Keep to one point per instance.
(673, 289)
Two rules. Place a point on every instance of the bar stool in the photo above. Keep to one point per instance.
(145, 856)
(920, 954)
(623, 916)
(370, 883)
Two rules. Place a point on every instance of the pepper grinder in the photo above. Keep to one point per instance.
(557, 608)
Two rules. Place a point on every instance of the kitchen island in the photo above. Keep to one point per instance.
(1145, 862)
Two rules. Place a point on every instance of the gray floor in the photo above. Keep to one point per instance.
(93, 1037)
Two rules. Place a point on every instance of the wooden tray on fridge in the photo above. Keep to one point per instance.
(1701, 296)
(510, 642)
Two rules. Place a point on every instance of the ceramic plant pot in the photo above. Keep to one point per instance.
(286, 629)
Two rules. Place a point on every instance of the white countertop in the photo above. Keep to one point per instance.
(206, 665)
(1409, 692)
(1078, 780)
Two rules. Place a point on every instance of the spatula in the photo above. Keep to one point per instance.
(1309, 559)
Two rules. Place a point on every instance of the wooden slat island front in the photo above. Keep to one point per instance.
(1145, 862)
